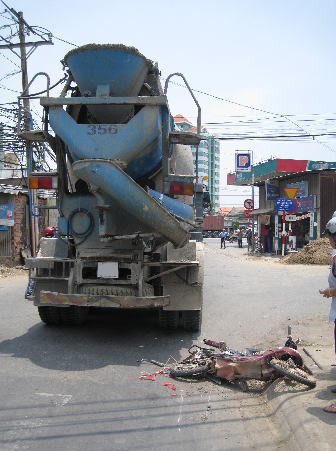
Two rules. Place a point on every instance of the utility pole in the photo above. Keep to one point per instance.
(24, 72)
(252, 176)
(22, 45)
(27, 125)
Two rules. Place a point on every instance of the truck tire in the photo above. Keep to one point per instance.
(73, 315)
(169, 319)
(50, 315)
(192, 320)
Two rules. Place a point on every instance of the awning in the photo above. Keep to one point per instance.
(262, 211)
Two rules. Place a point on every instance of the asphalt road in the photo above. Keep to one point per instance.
(79, 389)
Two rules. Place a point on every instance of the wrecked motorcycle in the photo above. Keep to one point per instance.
(223, 363)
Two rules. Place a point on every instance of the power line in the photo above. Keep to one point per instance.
(286, 117)
(8, 89)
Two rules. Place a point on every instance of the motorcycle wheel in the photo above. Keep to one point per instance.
(293, 372)
(189, 370)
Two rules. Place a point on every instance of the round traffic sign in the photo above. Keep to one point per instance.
(295, 207)
(248, 204)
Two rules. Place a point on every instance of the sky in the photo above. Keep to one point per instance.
(250, 63)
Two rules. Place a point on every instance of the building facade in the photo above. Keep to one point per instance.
(208, 159)
(296, 199)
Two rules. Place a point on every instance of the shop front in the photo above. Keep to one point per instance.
(286, 231)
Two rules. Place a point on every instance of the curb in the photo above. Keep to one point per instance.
(299, 409)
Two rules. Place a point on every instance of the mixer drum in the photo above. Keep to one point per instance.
(120, 68)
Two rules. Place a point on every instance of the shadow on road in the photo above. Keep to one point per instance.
(117, 338)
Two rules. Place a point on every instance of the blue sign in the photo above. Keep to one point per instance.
(286, 204)
(301, 186)
(243, 161)
(272, 191)
(306, 204)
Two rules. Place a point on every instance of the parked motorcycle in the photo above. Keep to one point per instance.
(223, 363)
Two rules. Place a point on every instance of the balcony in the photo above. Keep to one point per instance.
(13, 176)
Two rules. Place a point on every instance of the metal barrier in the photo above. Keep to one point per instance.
(5, 243)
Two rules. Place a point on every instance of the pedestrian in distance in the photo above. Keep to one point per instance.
(330, 293)
(240, 238)
(249, 240)
(222, 236)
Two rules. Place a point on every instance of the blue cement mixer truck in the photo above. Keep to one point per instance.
(130, 208)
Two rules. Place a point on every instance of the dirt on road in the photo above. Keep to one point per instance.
(11, 271)
(317, 252)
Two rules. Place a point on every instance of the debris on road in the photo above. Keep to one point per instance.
(171, 386)
(155, 362)
(152, 376)
(10, 271)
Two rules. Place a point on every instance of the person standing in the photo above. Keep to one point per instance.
(240, 238)
(222, 236)
(249, 239)
(330, 232)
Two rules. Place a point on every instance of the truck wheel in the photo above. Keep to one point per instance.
(73, 316)
(192, 320)
(169, 319)
(50, 315)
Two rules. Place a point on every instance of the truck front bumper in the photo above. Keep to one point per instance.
(88, 300)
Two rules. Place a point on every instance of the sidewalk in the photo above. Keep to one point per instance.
(305, 424)
(298, 410)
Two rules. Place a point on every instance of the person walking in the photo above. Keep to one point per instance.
(222, 236)
(240, 238)
(330, 292)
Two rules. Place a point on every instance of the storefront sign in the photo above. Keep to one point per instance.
(272, 191)
(306, 204)
(302, 188)
(7, 215)
(320, 165)
(285, 204)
